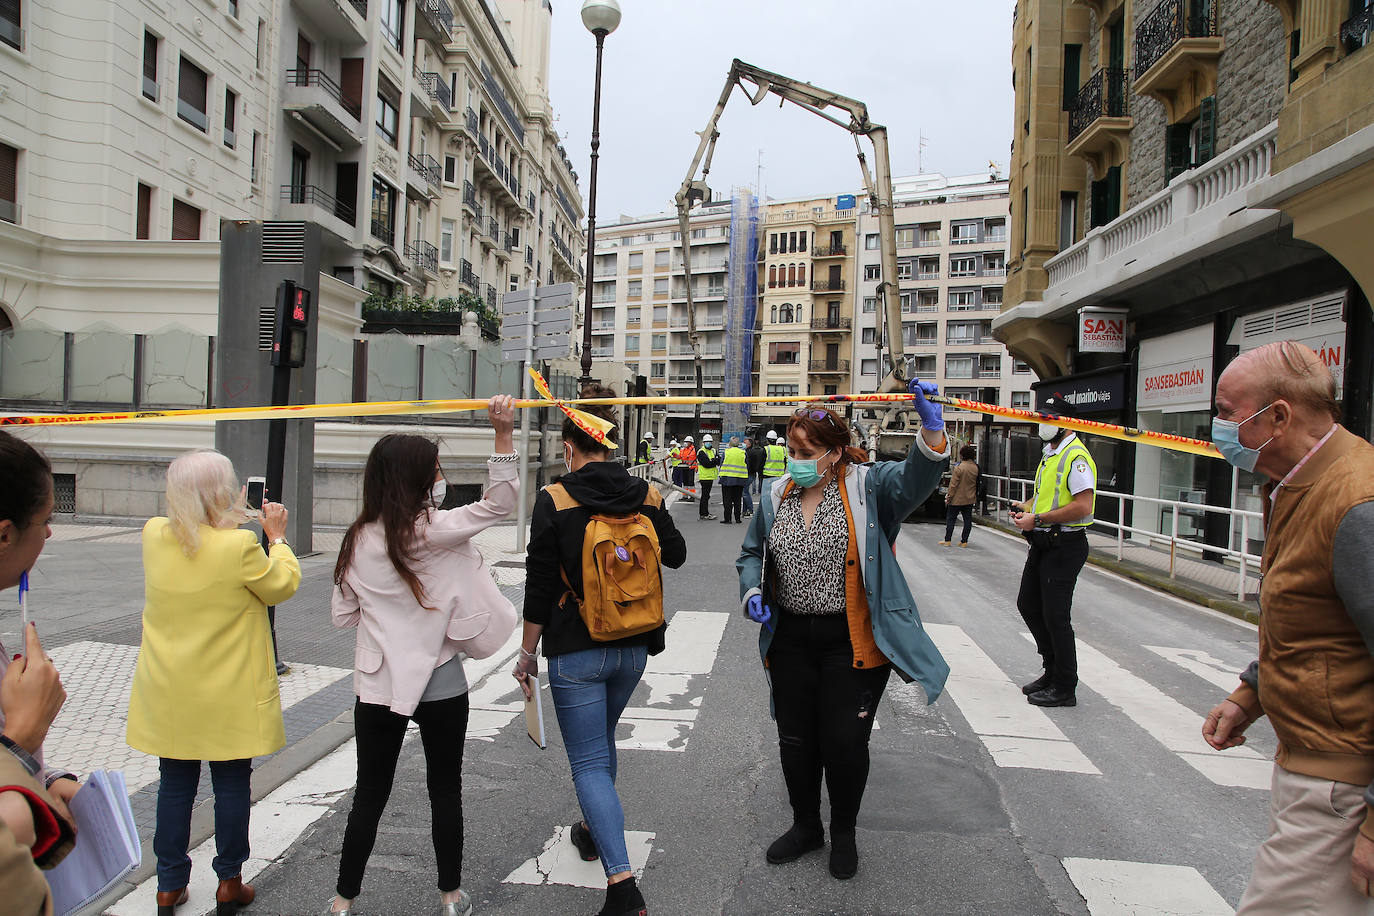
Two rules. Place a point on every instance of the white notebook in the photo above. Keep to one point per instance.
(534, 714)
(107, 848)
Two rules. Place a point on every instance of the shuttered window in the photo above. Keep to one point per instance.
(192, 94)
(9, 184)
(1207, 130)
(150, 56)
(185, 221)
(143, 227)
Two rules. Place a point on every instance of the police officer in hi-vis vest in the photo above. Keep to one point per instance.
(775, 460)
(1055, 521)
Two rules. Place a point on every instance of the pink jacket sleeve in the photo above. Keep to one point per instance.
(497, 503)
(344, 607)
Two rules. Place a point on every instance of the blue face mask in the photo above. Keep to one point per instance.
(1226, 437)
(805, 473)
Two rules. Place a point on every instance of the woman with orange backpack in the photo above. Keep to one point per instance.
(594, 593)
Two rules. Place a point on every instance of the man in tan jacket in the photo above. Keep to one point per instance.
(1276, 413)
(962, 493)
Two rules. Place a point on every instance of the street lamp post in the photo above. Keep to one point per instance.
(601, 17)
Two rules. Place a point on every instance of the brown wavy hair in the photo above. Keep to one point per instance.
(396, 484)
(828, 432)
(581, 440)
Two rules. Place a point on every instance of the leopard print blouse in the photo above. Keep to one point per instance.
(808, 563)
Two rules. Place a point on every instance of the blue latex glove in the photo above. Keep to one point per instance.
(756, 610)
(932, 415)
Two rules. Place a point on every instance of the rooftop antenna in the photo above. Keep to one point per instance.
(758, 175)
(921, 155)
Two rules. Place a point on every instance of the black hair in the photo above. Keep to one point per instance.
(28, 481)
(968, 453)
(581, 440)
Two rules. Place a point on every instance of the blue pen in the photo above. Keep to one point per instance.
(23, 603)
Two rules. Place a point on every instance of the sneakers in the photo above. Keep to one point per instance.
(944, 543)
(460, 907)
(582, 839)
(795, 843)
(1038, 684)
(707, 518)
(963, 543)
(1053, 696)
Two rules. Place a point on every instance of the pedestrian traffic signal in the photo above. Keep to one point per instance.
(293, 322)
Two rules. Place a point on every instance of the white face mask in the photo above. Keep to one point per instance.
(567, 459)
(437, 493)
(1048, 432)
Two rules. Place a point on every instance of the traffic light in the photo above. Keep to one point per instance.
(293, 321)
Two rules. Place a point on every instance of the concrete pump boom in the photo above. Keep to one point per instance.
(878, 185)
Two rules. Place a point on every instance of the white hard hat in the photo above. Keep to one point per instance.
(672, 442)
(688, 439)
(772, 434)
(648, 435)
(707, 438)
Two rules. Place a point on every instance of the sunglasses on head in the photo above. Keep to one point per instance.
(817, 415)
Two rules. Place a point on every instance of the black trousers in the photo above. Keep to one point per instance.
(952, 513)
(1046, 599)
(443, 729)
(825, 708)
(705, 508)
(733, 500)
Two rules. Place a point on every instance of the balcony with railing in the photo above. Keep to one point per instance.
(423, 174)
(529, 255)
(495, 171)
(827, 286)
(335, 20)
(467, 276)
(425, 256)
(1100, 114)
(470, 122)
(320, 100)
(383, 232)
(309, 203)
(829, 366)
(491, 295)
(433, 93)
(561, 247)
(470, 196)
(824, 324)
(1176, 51)
(829, 251)
(1356, 31)
(435, 20)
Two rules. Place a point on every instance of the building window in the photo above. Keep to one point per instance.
(261, 43)
(869, 367)
(393, 23)
(193, 86)
(636, 260)
(961, 332)
(634, 289)
(870, 304)
(906, 238)
(388, 114)
(1068, 219)
(930, 235)
(992, 295)
(450, 169)
(785, 313)
(658, 341)
(631, 343)
(873, 271)
(783, 391)
(632, 316)
(1021, 400)
(143, 223)
(658, 370)
(1072, 55)
(660, 314)
(784, 353)
(661, 258)
(868, 335)
(446, 233)
(661, 286)
(185, 221)
(234, 8)
(231, 104)
(904, 270)
(961, 300)
(1106, 197)
(772, 276)
(963, 233)
(995, 230)
(871, 241)
(959, 367)
(12, 23)
(383, 212)
(9, 184)
(963, 267)
(151, 46)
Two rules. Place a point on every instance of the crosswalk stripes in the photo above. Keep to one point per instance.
(1203, 664)
(1169, 722)
(1015, 733)
(693, 643)
(1112, 888)
(559, 862)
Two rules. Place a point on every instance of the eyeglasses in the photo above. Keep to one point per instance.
(817, 415)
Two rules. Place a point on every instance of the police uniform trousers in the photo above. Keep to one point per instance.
(1046, 598)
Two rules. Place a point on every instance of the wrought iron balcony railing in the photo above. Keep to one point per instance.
(383, 232)
(1355, 31)
(826, 323)
(326, 82)
(425, 256)
(827, 286)
(1104, 95)
(829, 251)
(439, 14)
(469, 195)
(310, 194)
(1167, 25)
(427, 166)
(829, 365)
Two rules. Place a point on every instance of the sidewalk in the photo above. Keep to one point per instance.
(1206, 582)
(87, 601)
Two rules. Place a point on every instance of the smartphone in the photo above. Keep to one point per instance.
(257, 491)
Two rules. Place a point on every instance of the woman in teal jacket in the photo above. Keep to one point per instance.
(817, 569)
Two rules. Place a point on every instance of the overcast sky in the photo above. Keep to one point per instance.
(941, 70)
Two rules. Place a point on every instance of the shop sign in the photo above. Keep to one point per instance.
(1089, 394)
(1101, 330)
(1176, 371)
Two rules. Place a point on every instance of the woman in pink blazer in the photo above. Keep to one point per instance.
(410, 580)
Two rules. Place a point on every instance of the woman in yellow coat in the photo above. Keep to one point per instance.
(206, 686)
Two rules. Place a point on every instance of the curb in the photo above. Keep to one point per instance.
(1201, 595)
(276, 770)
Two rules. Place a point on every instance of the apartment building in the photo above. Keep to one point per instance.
(1196, 177)
(806, 300)
(951, 264)
(639, 304)
(417, 133)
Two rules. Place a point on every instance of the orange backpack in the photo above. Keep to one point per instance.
(622, 584)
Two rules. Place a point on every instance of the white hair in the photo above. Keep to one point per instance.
(202, 489)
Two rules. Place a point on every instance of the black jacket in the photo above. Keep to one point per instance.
(755, 458)
(602, 487)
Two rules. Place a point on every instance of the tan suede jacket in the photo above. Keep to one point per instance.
(1316, 674)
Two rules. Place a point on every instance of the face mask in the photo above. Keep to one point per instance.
(804, 473)
(1048, 432)
(1226, 437)
(567, 460)
(437, 493)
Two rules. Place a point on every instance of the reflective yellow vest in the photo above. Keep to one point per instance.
(703, 472)
(1052, 482)
(776, 463)
(736, 463)
(677, 458)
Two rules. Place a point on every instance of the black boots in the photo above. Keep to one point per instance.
(624, 899)
(844, 854)
(1053, 696)
(795, 843)
(1036, 685)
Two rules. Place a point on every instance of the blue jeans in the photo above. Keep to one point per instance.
(176, 794)
(590, 690)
